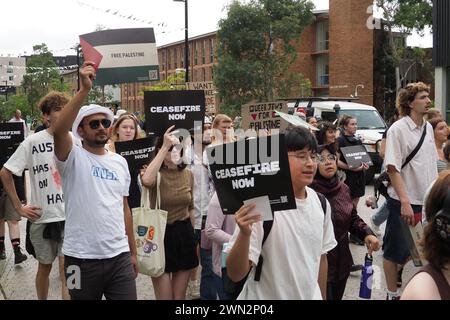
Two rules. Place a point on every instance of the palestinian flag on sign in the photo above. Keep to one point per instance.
(122, 55)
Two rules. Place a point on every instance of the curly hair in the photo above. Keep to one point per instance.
(52, 100)
(407, 95)
(321, 135)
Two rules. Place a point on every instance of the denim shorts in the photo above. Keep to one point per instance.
(395, 247)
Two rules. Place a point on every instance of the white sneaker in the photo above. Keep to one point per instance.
(375, 228)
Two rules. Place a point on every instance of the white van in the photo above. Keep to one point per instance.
(371, 125)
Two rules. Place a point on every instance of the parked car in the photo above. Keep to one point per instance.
(371, 125)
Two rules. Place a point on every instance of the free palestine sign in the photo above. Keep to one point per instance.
(122, 55)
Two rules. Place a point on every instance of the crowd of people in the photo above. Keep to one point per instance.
(83, 193)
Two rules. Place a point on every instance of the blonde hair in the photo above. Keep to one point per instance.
(115, 129)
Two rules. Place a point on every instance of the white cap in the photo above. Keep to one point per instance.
(119, 113)
(89, 110)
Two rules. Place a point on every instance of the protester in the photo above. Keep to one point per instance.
(440, 130)
(177, 199)
(46, 206)
(18, 118)
(326, 133)
(408, 184)
(355, 178)
(126, 128)
(345, 219)
(312, 121)
(219, 229)
(432, 282)
(99, 246)
(295, 262)
(222, 131)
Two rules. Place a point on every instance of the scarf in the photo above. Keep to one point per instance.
(324, 185)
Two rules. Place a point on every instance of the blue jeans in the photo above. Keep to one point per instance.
(210, 283)
(381, 215)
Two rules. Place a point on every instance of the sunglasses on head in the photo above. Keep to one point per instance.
(95, 124)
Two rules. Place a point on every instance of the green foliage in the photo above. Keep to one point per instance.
(255, 49)
(17, 101)
(42, 76)
(173, 82)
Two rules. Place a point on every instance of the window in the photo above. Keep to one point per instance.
(175, 58)
(195, 54)
(182, 56)
(322, 71)
(195, 75)
(169, 61)
(203, 52)
(211, 50)
(163, 59)
(11, 78)
(203, 74)
(10, 63)
(322, 36)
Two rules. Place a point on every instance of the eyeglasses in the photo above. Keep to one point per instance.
(330, 157)
(95, 124)
(304, 158)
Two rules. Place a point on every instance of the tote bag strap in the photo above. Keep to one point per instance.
(145, 195)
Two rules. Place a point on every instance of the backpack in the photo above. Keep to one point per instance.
(233, 289)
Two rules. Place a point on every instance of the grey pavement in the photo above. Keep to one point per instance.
(17, 282)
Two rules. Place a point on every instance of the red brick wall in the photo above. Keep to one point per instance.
(351, 49)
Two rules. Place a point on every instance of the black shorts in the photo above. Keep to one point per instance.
(179, 247)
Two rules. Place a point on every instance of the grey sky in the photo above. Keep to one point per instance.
(59, 23)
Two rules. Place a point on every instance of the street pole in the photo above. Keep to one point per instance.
(6, 90)
(78, 63)
(186, 40)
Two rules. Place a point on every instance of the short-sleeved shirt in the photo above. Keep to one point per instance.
(292, 252)
(402, 138)
(94, 187)
(36, 154)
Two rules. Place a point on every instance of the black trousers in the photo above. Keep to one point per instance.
(90, 279)
(335, 290)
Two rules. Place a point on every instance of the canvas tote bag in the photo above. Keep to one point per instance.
(149, 227)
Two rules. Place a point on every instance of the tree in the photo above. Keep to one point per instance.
(173, 82)
(255, 49)
(17, 101)
(42, 76)
(404, 16)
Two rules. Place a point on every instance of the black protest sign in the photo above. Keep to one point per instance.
(11, 135)
(355, 156)
(180, 108)
(259, 116)
(252, 168)
(137, 152)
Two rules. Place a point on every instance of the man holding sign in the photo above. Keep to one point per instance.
(300, 238)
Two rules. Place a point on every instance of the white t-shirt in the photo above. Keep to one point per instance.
(94, 187)
(292, 252)
(402, 138)
(36, 154)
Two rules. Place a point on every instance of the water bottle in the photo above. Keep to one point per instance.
(365, 289)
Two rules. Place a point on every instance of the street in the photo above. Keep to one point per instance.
(17, 282)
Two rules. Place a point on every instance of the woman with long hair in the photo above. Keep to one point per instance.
(440, 129)
(176, 189)
(432, 282)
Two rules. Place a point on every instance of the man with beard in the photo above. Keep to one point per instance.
(98, 231)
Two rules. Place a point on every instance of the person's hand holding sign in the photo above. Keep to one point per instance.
(87, 75)
(245, 218)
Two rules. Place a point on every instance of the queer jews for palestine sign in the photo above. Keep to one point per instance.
(249, 169)
(259, 116)
(11, 135)
(355, 156)
(210, 94)
(180, 108)
(122, 55)
(137, 152)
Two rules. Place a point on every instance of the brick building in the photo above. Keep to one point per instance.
(339, 52)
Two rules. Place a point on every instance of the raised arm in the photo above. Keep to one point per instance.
(63, 140)
(149, 177)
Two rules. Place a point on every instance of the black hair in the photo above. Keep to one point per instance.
(159, 143)
(297, 138)
(322, 133)
(330, 147)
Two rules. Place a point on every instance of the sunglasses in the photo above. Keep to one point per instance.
(95, 124)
